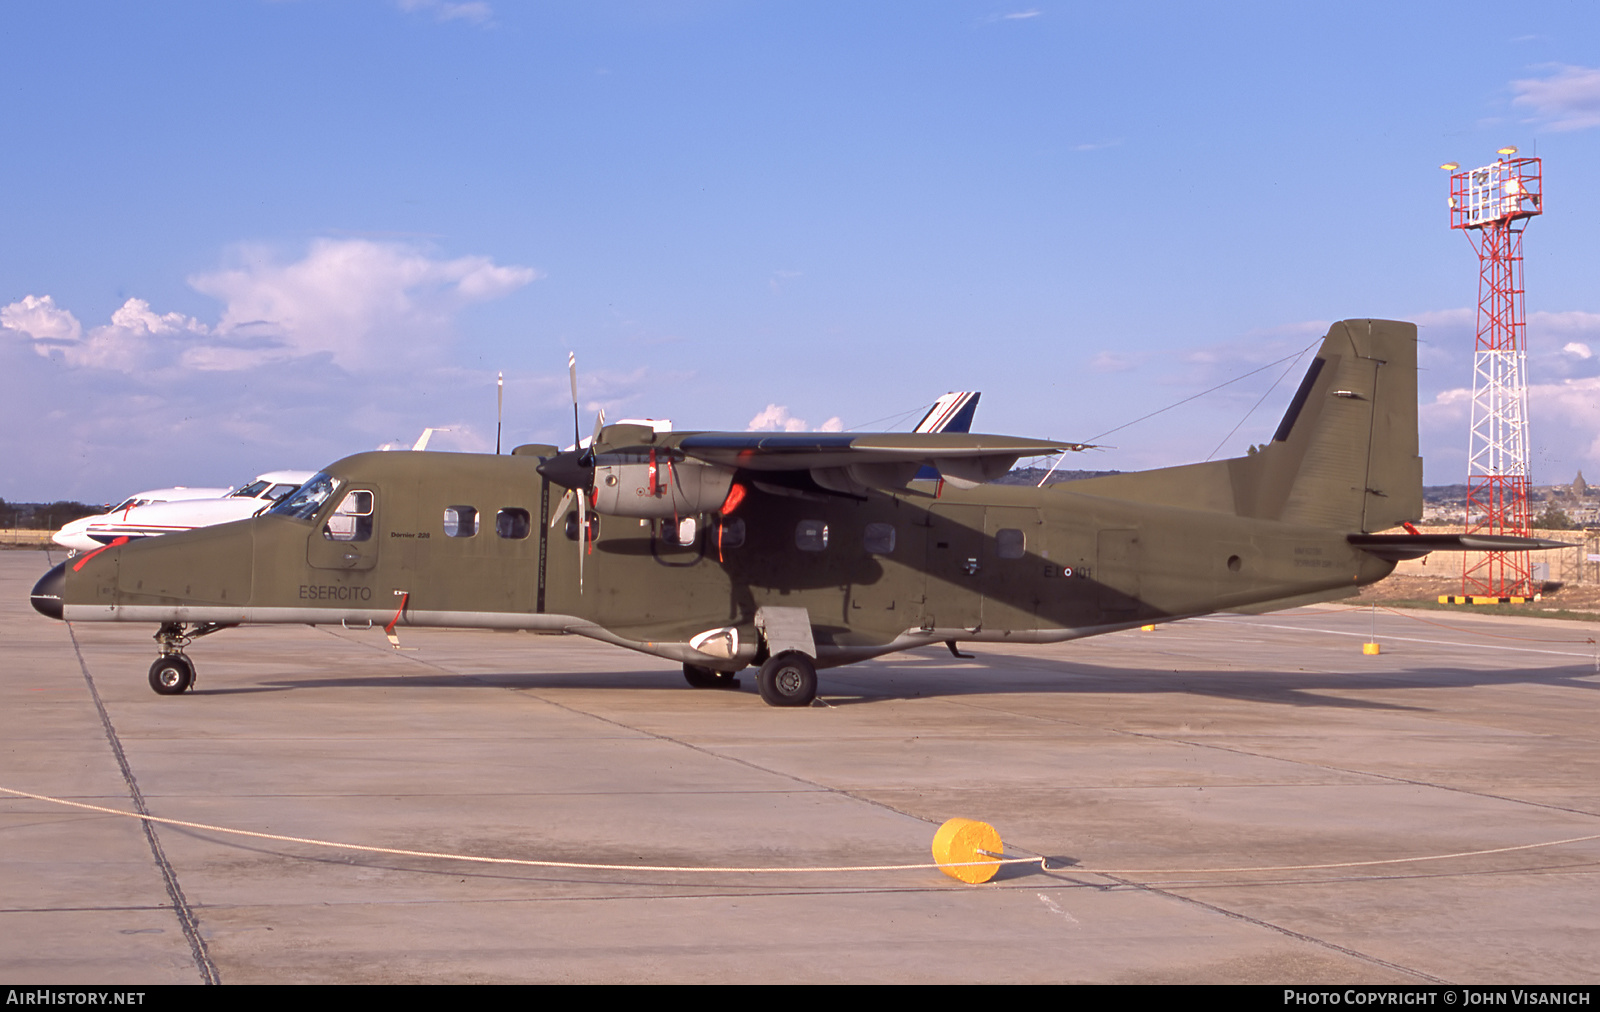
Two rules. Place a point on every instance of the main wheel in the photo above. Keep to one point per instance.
(172, 675)
(788, 679)
(706, 678)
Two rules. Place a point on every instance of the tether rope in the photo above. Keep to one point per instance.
(1042, 862)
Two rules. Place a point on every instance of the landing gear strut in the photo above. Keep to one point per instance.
(173, 672)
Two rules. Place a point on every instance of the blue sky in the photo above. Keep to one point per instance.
(245, 236)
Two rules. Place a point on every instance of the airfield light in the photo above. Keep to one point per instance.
(1493, 204)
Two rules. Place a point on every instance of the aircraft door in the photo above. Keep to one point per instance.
(347, 537)
(1014, 560)
(953, 598)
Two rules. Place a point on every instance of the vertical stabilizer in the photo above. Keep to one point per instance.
(1348, 442)
(1344, 456)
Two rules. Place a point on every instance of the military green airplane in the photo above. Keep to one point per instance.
(795, 551)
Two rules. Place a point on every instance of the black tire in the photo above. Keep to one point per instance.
(172, 676)
(706, 678)
(788, 679)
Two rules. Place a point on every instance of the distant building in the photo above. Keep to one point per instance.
(1580, 488)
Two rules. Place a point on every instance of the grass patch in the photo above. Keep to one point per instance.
(1533, 609)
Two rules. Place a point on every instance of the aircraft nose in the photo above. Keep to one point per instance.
(46, 596)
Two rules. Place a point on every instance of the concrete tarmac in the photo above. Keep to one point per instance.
(1144, 764)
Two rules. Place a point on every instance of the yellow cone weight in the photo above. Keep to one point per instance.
(959, 841)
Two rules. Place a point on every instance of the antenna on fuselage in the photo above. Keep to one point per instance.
(499, 408)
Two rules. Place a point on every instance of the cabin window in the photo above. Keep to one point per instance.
(683, 532)
(811, 535)
(303, 505)
(1010, 543)
(352, 520)
(570, 528)
(878, 539)
(460, 522)
(729, 533)
(512, 523)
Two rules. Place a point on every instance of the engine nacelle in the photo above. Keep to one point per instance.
(651, 486)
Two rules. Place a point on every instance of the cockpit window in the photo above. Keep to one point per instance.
(279, 490)
(249, 491)
(304, 504)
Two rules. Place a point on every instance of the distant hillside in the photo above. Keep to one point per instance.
(1031, 476)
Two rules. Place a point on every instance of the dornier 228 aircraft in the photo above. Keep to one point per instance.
(795, 551)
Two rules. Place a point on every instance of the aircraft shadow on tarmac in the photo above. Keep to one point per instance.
(865, 685)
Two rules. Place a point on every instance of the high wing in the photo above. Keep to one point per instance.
(634, 470)
(874, 459)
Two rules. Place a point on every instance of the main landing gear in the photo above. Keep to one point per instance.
(788, 679)
(707, 678)
(173, 672)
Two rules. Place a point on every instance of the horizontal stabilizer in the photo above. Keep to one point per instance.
(1399, 547)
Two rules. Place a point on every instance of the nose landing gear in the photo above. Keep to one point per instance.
(172, 675)
(173, 672)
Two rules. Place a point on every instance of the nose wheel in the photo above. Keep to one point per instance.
(172, 675)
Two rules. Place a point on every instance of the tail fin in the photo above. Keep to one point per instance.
(951, 413)
(1344, 456)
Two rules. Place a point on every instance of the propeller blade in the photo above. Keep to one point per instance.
(572, 369)
(561, 510)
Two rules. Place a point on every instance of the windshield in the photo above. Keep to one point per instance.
(251, 490)
(303, 504)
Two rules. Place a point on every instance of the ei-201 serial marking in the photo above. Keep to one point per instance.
(799, 551)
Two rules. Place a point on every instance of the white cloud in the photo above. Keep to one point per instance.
(776, 418)
(1574, 323)
(1464, 316)
(135, 339)
(38, 318)
(367, 306)
(1567, 99)
(1117, 361)
(474, 11)
(309, 359)
(365, 303)
(1578, 348)
(780, 279)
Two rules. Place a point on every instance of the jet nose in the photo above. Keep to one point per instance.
(46, 596)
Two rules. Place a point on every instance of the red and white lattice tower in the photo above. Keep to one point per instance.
(1492, 205)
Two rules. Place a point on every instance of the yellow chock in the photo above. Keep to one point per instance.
(1147, 628)
(960, 841)
(1370, 649)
